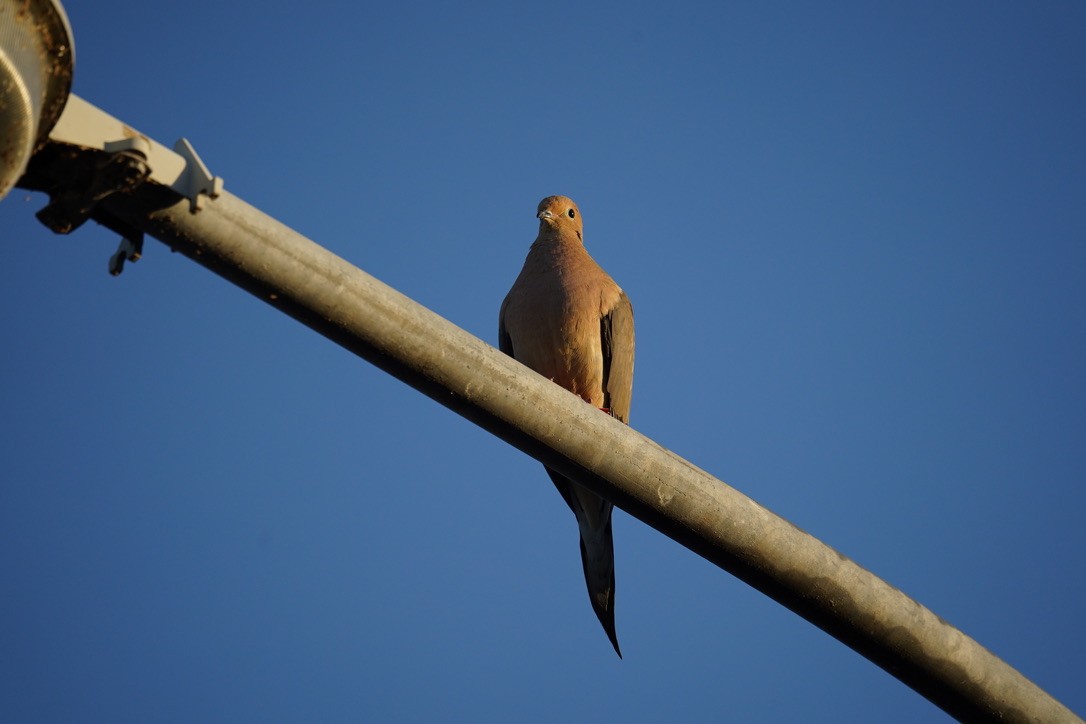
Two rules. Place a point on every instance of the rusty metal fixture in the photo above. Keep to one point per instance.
(37, 58)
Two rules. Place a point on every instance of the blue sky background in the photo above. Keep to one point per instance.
(853, 235)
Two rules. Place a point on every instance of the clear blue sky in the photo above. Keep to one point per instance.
(854, 239)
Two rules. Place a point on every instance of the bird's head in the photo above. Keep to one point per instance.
(559, 215)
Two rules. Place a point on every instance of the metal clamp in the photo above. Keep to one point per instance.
(116, 171)
(197, 182)
(130, 249)
(91, 155)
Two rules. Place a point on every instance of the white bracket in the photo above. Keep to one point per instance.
(116, 158)
(197, 180)
(85, 125)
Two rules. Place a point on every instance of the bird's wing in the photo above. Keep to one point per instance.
(505, 342)
(617, 331)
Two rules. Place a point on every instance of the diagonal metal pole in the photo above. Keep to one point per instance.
(410, 342)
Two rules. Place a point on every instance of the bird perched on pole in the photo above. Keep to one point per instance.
(569, 321)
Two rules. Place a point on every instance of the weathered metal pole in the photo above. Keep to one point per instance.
(95, 166)
(405, 339)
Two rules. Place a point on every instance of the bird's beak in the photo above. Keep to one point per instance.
(544, 214)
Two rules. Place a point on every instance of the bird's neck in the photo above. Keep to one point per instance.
(558, 245)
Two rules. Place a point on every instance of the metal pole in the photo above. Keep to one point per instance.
(405, 339)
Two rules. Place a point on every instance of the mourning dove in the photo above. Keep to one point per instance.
(566, 319)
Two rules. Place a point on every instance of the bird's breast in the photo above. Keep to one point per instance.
(554, 326)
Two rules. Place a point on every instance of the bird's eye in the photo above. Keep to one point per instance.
(572, 213)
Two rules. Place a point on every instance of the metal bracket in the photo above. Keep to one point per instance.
(197, 182)
(123, 168)
(90, 155)
(131, 249)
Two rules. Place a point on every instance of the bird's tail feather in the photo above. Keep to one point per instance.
(598, 559)
(597, 549)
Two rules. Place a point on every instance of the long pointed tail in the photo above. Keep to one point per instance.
(598, 558)
(597, 549)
